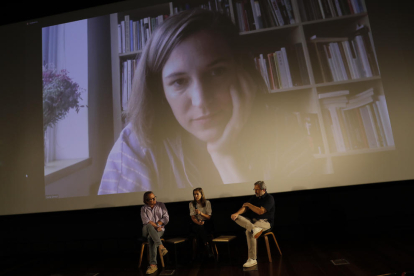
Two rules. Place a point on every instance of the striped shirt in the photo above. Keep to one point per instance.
(173, 164)
(156, 214)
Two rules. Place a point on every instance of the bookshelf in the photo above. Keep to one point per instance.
(118, 56)
(300, 32)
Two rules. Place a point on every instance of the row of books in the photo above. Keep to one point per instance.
(345, 58)
(357, 122)
(284, 68)
(222, 6)
(321, 9)
(132, 35)
(127, 73)
(259, 14)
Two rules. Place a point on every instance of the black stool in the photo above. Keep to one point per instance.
(223, 239)
(176, 241)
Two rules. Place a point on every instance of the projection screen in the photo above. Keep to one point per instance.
(121, 99)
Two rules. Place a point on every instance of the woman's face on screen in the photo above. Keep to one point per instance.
(197, 78)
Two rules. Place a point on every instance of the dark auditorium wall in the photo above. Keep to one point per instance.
(301, 215)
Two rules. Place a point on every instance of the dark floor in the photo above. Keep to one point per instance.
(367, 255)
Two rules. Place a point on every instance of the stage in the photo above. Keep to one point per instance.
(373, 254)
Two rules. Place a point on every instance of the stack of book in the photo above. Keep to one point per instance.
(222, 6)
(357, 122)
(127, 73)
(259, 14)
(321, 9)
(132, 35)
(284, 68)
(345, 58)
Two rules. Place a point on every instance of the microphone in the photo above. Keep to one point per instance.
(197, 215)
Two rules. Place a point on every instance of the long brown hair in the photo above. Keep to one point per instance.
(148, 111)
(203, 198)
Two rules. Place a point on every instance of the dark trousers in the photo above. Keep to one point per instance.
(201, 232)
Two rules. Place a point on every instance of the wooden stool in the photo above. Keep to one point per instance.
(176, 241)
(223, 239)
(145, 243)
(268, 233)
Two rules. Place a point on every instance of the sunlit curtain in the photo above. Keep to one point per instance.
(53, 57)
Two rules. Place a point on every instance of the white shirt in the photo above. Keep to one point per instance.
(205, 210)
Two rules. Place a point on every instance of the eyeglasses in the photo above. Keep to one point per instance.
(257, 189)
(151, 199)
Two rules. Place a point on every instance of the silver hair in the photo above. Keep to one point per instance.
(261, 185)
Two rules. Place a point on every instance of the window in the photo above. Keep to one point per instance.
(65, 70)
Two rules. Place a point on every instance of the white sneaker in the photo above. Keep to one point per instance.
(250, 263)
(257, 231)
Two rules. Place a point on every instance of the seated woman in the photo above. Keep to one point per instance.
(154, 217)
(200, 212)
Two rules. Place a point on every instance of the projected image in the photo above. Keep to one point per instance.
(208, 97)
(197, 115)
(65, 95)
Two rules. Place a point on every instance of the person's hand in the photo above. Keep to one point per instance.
(159, 229)
(197, 212)
(234, 216)
(247, 205)
(242, 98)
(201, 222)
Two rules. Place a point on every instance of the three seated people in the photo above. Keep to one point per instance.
(260, 218)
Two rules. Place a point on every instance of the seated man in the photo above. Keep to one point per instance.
(263, 207)
(154, 217)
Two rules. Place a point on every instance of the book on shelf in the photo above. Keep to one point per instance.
(385, 119)
(333, 94)
(124, 86)
(127, 35)
(127, 72)
(345, 58)
(132, 35)
(259, 14)
(356, 122)
(222, 6)
(323, 9)
(285, 68)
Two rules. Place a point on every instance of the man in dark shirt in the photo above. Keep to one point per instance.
(263, 207)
